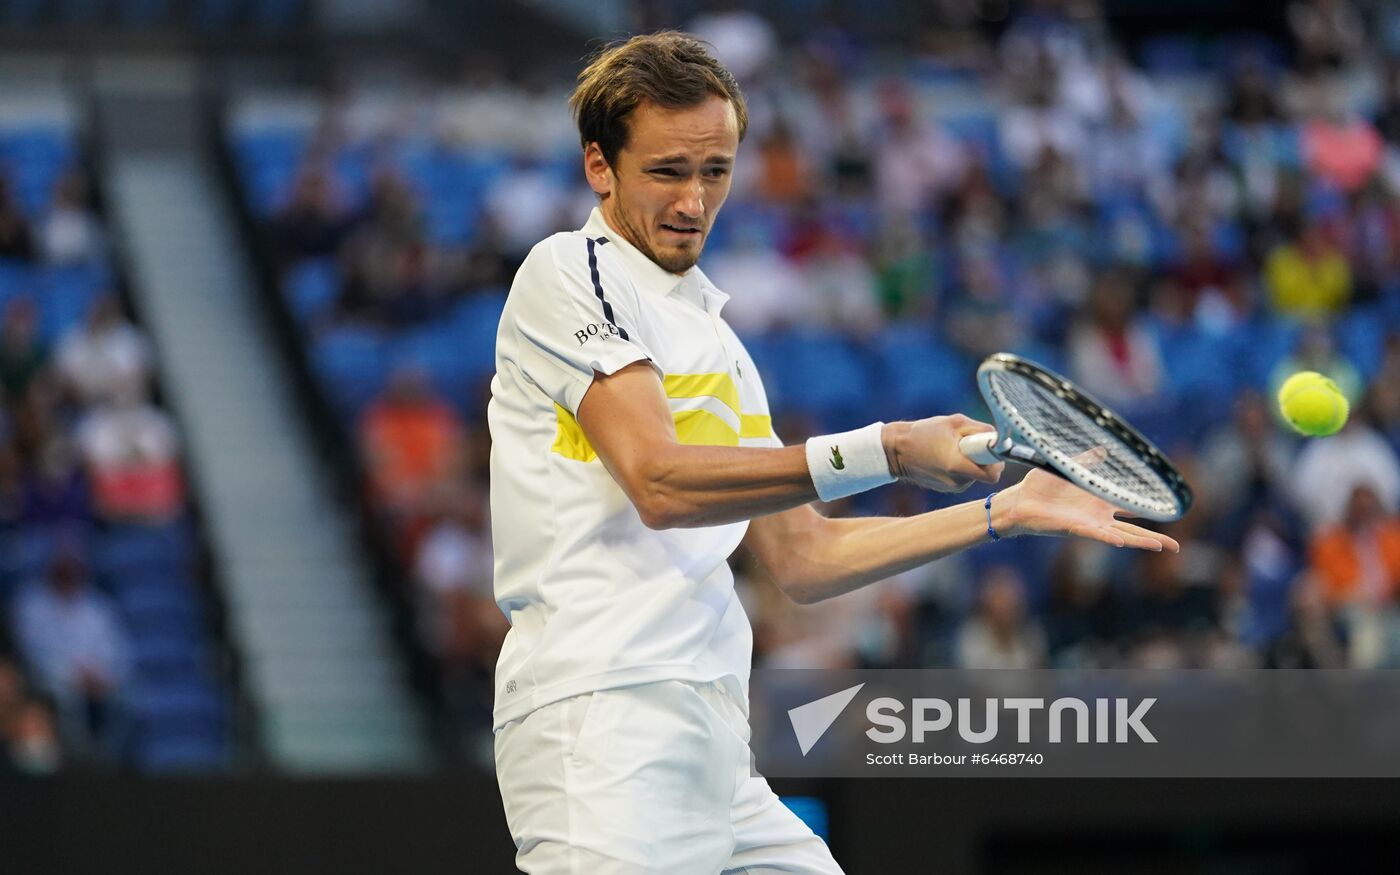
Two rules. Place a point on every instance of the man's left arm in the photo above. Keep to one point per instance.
(812, 557)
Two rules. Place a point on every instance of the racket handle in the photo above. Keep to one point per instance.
(978, 447)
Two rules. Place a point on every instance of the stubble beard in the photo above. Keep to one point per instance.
(680, 262)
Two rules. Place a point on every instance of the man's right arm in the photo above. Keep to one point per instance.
(628, 422)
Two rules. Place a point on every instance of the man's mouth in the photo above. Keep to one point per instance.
(679, 229)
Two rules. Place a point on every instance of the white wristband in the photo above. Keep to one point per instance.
(850, 462)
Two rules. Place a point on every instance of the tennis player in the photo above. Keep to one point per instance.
(632, 453)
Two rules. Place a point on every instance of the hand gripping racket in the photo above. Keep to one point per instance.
(1045, 420)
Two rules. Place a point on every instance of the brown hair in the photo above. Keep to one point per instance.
(669, 68)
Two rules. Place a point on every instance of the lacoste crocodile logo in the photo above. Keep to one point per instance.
(836, 461)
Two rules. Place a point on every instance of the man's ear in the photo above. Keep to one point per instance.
(596, 169)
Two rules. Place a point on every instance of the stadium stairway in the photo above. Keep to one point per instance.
(320, 661)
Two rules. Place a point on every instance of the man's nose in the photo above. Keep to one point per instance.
(692, 202)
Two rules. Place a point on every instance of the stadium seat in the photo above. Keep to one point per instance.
(352, 366)
(1264, 342)
(179, 724)
(1361, 334)
(1198, 370)
(36, 157)
(311, 288)
(192, 704)
(1172, 55)
(126, 553)
(164, 656)
(922, 374)
(25, 552)
(824, 374)
(16, 278)
(457, 352)
(66, 295)
(161, 606)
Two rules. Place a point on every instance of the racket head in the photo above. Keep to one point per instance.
(1037, 407)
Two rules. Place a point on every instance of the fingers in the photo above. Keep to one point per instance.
(1092, 456)
(990, 473)
(965, 468)
(1146, 538)
(1098, 533)
(1120, 534)
(966, 425)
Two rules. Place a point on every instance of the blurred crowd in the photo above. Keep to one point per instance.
(83, 450)
(1175, 225)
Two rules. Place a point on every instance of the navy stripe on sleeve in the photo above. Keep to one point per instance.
(598, 285)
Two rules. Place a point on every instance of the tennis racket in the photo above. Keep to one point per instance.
(1046, 421)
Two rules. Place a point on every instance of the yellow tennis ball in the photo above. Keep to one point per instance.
(1313, 404)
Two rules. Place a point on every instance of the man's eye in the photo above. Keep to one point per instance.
(665, 171)
(717, 172)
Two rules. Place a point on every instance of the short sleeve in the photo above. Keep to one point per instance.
(577, 312)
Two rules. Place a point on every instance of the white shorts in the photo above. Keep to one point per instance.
(653, 778)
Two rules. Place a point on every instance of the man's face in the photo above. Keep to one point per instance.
(668, 182)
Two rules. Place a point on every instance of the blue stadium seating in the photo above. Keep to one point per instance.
(1173, 55)
(458, 351)
(1200, 371)
(125, 553)
(65, 295)
(181, 725)
(981, 133)
(822, 373)
(165, 606)
(1360, 334)
(311, 287)
(923, 375)
(181, 719)
(162, 657)
(352, 365)
(34, 158)
(25, 551)
(1264, 342)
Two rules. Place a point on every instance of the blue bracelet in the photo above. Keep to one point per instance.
(991, 531)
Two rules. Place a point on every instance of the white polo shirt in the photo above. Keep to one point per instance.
(595, 598)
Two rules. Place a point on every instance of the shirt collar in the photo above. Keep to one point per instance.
(651, 275)
(714, 298)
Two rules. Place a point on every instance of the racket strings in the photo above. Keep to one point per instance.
(1058, 428)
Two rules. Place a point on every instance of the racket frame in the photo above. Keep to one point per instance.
(1011, 445)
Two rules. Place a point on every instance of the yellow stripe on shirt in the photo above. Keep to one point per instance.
(693, 428)
(704, 429)
(720, 386)
(569, 439)
(755, 425)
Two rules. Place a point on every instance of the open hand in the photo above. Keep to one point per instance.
(1044, 504)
